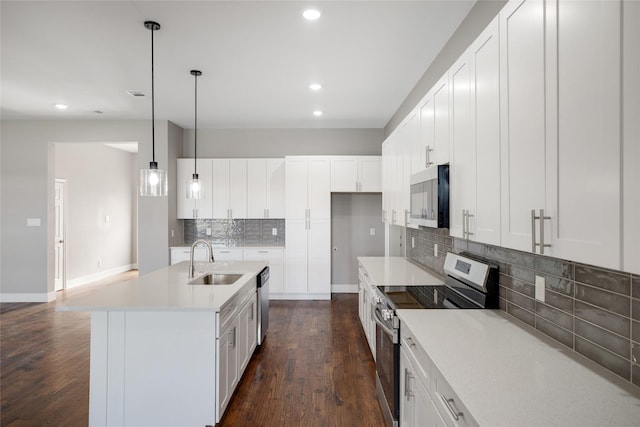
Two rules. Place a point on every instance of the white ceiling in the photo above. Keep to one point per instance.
(257, 58)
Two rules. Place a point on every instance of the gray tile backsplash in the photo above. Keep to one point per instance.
(591, 310)
(235, 233)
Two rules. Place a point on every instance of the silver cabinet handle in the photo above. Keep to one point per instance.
(449, 404)
(427, 156)
(384, 215)
(406, 217)
(195, 213)
(408, 393)
(251, 312)
(464, 223)
(264, 213)
(468, 224)
(534, 244)
(393, 216)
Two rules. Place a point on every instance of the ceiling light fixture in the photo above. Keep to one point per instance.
(61, 106)
(193, 184)
(315, 87)
(311, 14)
(317, 113)
(153, 181)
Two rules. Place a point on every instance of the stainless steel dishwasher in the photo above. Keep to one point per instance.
(263, 304)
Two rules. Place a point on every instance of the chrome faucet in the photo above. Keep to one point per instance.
(192, 269)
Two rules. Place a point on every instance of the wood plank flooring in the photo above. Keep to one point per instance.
(314, 369)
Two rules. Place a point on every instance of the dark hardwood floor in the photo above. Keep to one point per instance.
(314, 369)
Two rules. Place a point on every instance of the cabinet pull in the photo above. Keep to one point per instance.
(393, 216)
(251, 312)
(468, 224)
(263, 252)
(427, 156)
(408, 393)
(449, 404)
(542, 244)
(464, 223)
(384, 215)
(264, 213)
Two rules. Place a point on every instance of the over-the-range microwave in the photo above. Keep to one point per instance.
(430, 197)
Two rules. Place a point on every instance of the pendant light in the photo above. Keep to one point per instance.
(194, 187)
(153, 181)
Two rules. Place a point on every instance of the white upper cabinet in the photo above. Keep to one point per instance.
(523, 131)
(265, 188)
(356, 174)
(194, 208)
(229, 188)
(432, 145)
(561, 129)
(308, 187)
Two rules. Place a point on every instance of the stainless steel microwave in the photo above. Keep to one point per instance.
(430, 197)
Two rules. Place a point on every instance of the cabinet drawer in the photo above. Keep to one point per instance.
(415, 352)
(449, 404)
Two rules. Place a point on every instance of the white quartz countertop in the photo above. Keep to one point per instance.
(509, 375)
(397, 271)
(168, 289)
(188, 247)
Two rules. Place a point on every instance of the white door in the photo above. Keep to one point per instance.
(522, 119)
(295, 273)
(59, 236)
(369, 171)
(319, 256)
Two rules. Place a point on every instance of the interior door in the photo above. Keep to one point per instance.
(59, 236)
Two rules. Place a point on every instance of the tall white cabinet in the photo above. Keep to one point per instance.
(265, 188)
(308, 224)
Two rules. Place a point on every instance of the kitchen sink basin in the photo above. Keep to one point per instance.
(216, 279)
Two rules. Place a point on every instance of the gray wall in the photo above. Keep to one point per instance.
(283, 142)
(91, 194)
(175, 152)
(352, 215)
(27, 181)
(476, 20)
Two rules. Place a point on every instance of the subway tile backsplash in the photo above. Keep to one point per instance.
(591, 310)
(235, 233)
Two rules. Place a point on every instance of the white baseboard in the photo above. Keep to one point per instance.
(301, 296)
(35, 297)
(83, 280)
(344, 289)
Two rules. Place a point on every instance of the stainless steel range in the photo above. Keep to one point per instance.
(468, 284)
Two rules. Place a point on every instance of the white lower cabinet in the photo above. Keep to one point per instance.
(179, 254)
(416, 407)
(366, 295)
(426, 399)
(235, 344)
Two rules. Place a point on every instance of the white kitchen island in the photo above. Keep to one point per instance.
(166, 353)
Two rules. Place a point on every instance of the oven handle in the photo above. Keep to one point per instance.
(380, 323)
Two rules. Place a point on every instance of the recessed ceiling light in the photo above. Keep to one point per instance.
(317, 113)
(311, 14)
(61, 106)
(315, 87)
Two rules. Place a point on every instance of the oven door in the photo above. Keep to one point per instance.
(387, 367)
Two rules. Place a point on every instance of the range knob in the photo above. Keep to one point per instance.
(387, 314)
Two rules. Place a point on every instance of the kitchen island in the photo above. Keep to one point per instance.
(164, 352)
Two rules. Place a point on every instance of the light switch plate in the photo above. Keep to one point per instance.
(435, 250)
(33, 222)
(372, 232)
(413, 242)
(540, 284)
(208, 231)
(274, 231)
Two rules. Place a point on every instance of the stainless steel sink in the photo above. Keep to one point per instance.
(216, 279)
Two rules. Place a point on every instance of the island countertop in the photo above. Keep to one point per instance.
(167, 289)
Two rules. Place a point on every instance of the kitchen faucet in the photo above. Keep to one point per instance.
(192, 269)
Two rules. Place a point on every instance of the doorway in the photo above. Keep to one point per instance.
(60, 265)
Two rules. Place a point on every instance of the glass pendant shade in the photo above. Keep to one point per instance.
(153, 181)
(194, 187)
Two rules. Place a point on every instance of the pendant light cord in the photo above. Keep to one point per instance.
(153, 117)
(195, 131)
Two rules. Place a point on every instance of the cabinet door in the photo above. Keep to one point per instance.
(221, 197)
(247, 335)
(584, 159)
(185, 207)
(485, 53)
(319, 258)
(228, 366)
(296, 188)
(275, 257)
(275, 188)
(425, 142)
(319, 187)
(386, 180)
(440, 153)
(369, 174)
(204, 205)
(462, 172)
(227, 254)
(522, 118)
(407, 403)
(344, 174)
(238, 188)
(295, 273)
(256, 188)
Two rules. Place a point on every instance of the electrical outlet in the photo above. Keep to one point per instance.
(208, 231)
(274, 231)
(173, 233)
(107, 219)
(540, 285)
(99, 263)
(372, 232)
(413, 242)
(435, 250)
